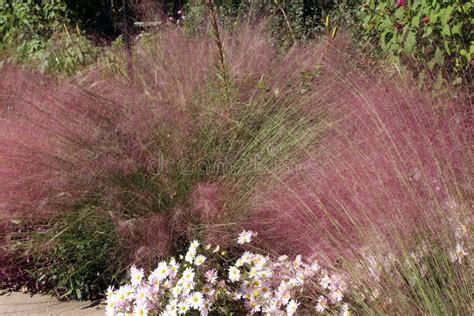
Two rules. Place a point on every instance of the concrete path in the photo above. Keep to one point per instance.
(20, 304)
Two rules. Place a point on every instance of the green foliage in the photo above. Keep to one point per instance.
(77, 260)
(296, 20)
(25, 25)
(114, 59)
(195, 17)
(68, 52)
(289, 21)
(37, 32)
(434, 33)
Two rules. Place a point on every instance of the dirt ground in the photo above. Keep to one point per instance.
(20, 304)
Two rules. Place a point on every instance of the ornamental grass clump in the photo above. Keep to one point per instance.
(391, 161)
(145, 154)
(393, 172)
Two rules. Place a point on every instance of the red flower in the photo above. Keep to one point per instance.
(398, 25)
(400, 3)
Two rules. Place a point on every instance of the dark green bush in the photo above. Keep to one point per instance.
(25, 25)
(289, 21)
(434, 35)
(37, 32)
(67, 52)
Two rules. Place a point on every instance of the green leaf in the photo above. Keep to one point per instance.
(456, 29)
(410, 42)
(415, 21)
(438, 59)
(446, 30)
(446, 47)
(399, 13)
(445, 15)
(427, 32)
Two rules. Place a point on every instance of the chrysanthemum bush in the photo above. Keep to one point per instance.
(206, 280)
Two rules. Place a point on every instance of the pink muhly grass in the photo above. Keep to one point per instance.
(170, 67)
(208, 215)
(64, 143)
(390, 164)
(119, 144)
(143, 240)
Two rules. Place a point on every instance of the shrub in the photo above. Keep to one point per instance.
(432, 35)
(37, 33)
(392, 168)
(67, 53)
(25, 26)
(205, 281)
(429, 275)
(288, 21)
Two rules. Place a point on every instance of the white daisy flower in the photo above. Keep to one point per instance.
(140, 309)
(172, 306)
(282, 258)
(253, 306)
(110, 292)
(183, 307)
(325, 281)
(195, 300)
(207, 290)
(199, 260)
(173, 267)
(194, 244)
(190, 255)
(136, 276)
(176, 291)
(205, 307)
(245, 237)
(121, 295)
(162, 271)
(292, 307)
(211, 276)
(322, 304)
(345, 310)
(188, 274)
(234, 274)
(336, 295)
(458, 254)
(188, 286)
(142, 293)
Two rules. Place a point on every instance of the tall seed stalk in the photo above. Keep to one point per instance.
(222, 71)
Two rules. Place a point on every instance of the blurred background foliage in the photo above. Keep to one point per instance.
(432, 37)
